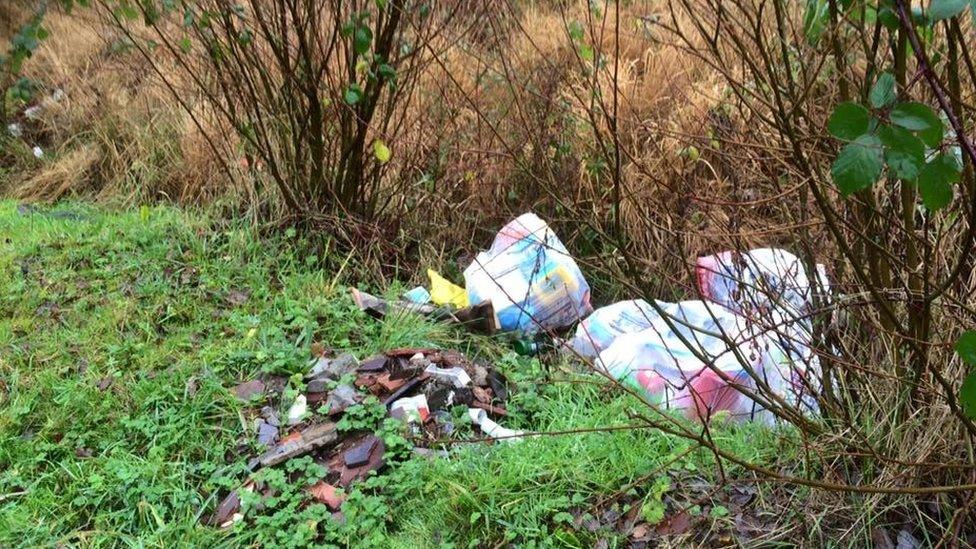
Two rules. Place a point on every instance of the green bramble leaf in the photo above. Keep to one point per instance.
(904, 153)
(919, 117)
(935, 181)
(848, 121)
(883, 92)
(354, 94)
(858, 165)
(966, 347)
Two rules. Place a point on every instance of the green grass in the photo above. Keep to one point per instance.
(150, 300)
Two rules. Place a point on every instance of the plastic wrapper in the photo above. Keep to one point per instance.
(445, 292)
(529, 278)
(597, 331)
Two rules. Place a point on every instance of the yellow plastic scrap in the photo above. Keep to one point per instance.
(444, 292)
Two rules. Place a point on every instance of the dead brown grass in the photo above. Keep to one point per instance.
(117, 134)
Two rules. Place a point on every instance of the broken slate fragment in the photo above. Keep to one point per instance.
(227, 508)
(318, 386)
(270, 416)
(498, 388)
(376, 461)
(333, 368)
(359, 454)
(248, 390)
(341, 398)
(374, 364)
(267, 433)
(309, 439)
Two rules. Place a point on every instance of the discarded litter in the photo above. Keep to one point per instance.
(15, 129)
(477, 318)
(457, 377)
(298, 410)
(445, 292)
(529, 278)
(328, 494)
(402, 379)
(418, 295)
(412, 409)
(333, 368)
(703, 357)
(38, 152)
(341, 398)
(597, 331)
(267, 433)
(480, 418)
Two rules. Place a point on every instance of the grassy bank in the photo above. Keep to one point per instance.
(122, 334)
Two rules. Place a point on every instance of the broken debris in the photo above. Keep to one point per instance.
(250, 389)
(328, 494)
(480, 418)
(402, 379)
(310, 439)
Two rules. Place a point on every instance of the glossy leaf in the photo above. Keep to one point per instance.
(883, 92)
(935, 181)
(904, 153)
(858, 165)
(848, 121)
(919, 117)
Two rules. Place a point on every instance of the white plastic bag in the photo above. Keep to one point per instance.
(695, 364)
(530, 279)
(772, 289)
(597, 331)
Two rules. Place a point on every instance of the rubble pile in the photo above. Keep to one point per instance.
(417, 386)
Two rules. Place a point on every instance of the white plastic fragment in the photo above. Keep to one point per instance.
(38, 152)
(15, 130)
(480, 418)
(455, 376)
(412, 409)
(298, 410)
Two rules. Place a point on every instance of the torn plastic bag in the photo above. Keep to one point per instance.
(765, 279)
(772, 289)
(597, 331)
(700, 365)
(444, 292)
(529, 278)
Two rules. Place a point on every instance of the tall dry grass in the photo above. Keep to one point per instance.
(116, 134)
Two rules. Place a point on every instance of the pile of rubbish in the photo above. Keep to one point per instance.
(745, 345)
(418, 386)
